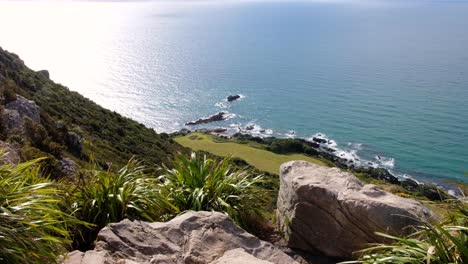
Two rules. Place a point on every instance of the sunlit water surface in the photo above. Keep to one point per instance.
(385, 78)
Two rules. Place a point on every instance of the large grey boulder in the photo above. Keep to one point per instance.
(194, 237)
(331, 211)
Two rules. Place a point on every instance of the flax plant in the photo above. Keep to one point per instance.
(33, 228)
(201, 183)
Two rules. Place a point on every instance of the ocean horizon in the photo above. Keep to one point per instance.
(387, 81)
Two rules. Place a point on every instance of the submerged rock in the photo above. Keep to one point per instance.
(194, 237)
(328, 210)
(213, 118)
(231, 98)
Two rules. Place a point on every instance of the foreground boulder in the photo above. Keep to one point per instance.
(194, 237)
(327, 210)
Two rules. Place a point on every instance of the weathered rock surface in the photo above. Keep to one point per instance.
(213, 118)
(328, 210)
(74, 142)
(16, 111)
(12, 121)
(68, 166)
(9, 153)
(239, 256)
(194, 237)
(44, 73)
(25, 108)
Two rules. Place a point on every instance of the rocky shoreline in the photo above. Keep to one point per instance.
(320, 147)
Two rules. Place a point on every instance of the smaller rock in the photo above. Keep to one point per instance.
(213, 118)
(69, 166)
(12, 122)
(231, 98)
(410, 185)
(74, 142)
(219, 130)
(432, 192)
(319, 140)
(44, 73)
(251, 127)
(383, 174)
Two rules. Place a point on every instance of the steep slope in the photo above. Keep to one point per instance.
(71, 126)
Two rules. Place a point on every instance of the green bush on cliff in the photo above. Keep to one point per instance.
(33, 227)
(201, 183)
(440, 243)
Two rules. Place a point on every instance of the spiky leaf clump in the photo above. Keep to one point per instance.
(33, 228)
(201, 183)
(105, 196)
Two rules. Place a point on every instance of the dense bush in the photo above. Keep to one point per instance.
(33, 228)
(286, 145)
(201, 183)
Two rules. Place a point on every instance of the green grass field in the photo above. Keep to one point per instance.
(261, 159)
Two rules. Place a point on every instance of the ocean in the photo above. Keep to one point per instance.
(386, 80)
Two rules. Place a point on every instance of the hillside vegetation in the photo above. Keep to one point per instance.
(107, 136)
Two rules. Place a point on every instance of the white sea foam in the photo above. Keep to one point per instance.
(228, 116)
(385, 162)
(290, 134)
(222, 105)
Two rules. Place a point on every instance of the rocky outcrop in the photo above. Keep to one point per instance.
(25, 108)
(44, 73)
(16, 111)
(74, 142)
(194, 237)
(231, 98)
(213, 118)
(328, 210)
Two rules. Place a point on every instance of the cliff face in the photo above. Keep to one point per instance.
(42, 118)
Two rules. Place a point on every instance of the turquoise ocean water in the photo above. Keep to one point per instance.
(386, 78)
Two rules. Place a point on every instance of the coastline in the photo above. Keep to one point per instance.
(322, 147)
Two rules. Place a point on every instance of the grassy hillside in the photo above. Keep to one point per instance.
(108, 136)
(261, 159)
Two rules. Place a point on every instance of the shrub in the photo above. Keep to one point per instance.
(103, 197)
(207, 184)
(285, 146)
(33, 229)
(445, 242)
(9, 93)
